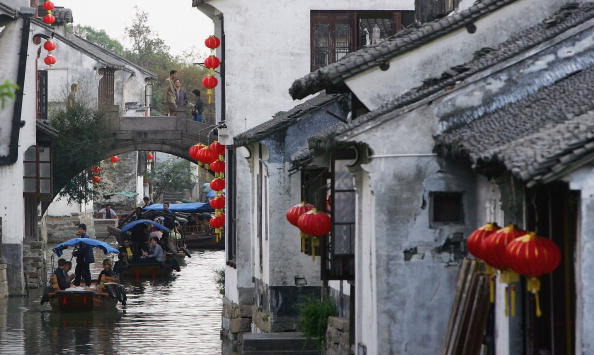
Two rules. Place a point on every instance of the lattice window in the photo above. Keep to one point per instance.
(38, 171)
(106, 87)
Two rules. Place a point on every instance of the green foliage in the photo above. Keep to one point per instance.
(220, 280)
(171, 175)
(7, 90)
(313, 318)
(83, 140)
(100, 38)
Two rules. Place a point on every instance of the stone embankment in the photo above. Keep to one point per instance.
(3, 282)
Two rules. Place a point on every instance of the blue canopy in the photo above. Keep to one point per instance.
(193, 207)
(107, 249)
(133, 224)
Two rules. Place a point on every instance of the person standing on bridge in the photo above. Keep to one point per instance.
(170, 96)
(181, 97)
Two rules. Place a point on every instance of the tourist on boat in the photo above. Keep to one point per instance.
(67, 269)
(106, 275)
(59, 279)
(169, 217)
(155, 253)
(139, 236)
(127, 253)
(107, 212)
(147, 201)
(84, 257)
(175, 237)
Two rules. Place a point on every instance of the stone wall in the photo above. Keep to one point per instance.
(337, 336)
(3, 282)
(236, 319)
(34, 264)
(60, 229)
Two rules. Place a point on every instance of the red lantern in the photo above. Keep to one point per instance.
(96, 170)
(296, 211)
(206, 156)
(96, 179)
(218, 166)
(218, 221)
(212, 42)
(217, 184)
(210, 82)
(49, 46)
(532, 256)
(48, 5)
(495, 245)
(49, 19)
(149, 157)
(114, 159)
(475, 244)
(314, 223)
(212, 62)
(193, 151)
(50, 60)
(217, 147)
(218, 203)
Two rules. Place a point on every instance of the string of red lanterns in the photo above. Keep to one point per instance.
(212, 63)
(49, 45)
(514, 252)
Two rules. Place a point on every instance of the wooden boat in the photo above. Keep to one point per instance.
(146, 270)
(81, 300)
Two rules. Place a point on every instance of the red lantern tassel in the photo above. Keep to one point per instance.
(209, 93)
(492, 273)
(533, 287)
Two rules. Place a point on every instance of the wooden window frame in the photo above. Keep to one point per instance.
(106, 97)
(38, 177)
(432, 222)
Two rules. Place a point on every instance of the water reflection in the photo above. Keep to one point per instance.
(177, 316)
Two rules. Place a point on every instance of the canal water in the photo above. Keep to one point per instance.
(177, 316)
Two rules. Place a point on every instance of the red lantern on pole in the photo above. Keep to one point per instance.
(48, 5)
(50, 60)
(209, 82)
(218, 203)
(212, 42)
(218, 222)
(193, 151)
(96, 179)
(532, 256)
(150, 157)
(49, 19)
(114, 159)
(49, 46)
(212, 62)
(217, 184)
(218, 148)
(206, 156)
(218, 167)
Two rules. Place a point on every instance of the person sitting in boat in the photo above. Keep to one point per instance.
(127, 254)
(67, 268)
(59, 279)
(106, 275)
(155, 253)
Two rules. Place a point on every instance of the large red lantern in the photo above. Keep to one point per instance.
(217, 166)
(96, 179)
(218, 222)
(150, 157)
(114, 159)
(48, 5)
(475, 244)
(217, 184)
(532, 256)
(218, 203)
(212, 42)
(212, 62)
(49, 19)
(206, 156)
(193, 151)
(314, 223)
(218, 148)
(209, 82)
(296, 211)
(495, 245)
(49, 46)
(50, 60)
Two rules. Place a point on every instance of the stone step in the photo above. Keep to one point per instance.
(277, 342)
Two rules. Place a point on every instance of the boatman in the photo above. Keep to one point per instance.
(84, 257)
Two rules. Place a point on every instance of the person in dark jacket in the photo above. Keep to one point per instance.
(181, 97)
(198, 110)
(59, 279)
(169, 217)
(84, 257)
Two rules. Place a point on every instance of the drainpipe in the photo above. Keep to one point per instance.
(17, 123)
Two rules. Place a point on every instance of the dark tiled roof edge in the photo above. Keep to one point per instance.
(284, 119)
(400, 43)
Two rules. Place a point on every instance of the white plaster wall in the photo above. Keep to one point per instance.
(374, 86)
(267, 47)
(12, 208)
(61, 207)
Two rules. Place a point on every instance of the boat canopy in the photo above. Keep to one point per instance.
(94, 243)
(132, 224)
(194, 207)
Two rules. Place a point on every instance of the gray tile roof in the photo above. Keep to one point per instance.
(284, 119)
(566, 18)
(535, 138)
(334, 74)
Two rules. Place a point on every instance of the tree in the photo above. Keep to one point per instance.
(82, 142)
(7, 90)
(100, 38)
(172, 175)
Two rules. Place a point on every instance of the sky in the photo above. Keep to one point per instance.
(176, 21)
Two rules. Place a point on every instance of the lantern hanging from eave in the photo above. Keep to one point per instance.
(49, 19)
(476, 246)
(218, 148)
(217, 203)
(217, 184)
(206, 156)
(50, 46)
(293, 215)
(209, 82)
(150, 157)
(532, 256)
(50, 60)
(48, 5)
(495, 245)
(96, 179)
(212, 42)
(95, 169)
(316, 224)
(212, 62)
(218, 223)
(114, 160)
